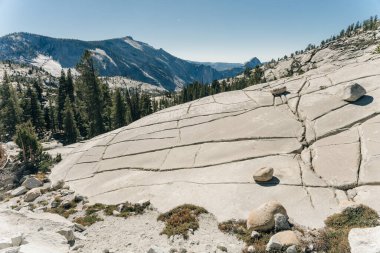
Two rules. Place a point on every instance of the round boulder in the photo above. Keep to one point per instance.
(264, 174)
(281, 240)
(262, 218)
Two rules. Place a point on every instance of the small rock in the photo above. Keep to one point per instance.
(19, 191)
(68, 233)
(40, 229)
(352, 92)
(17, 240)
(78, 198)
(115, 213)
(57, 185)
(156, 249)
(221, 248)
(78, 246)
(255, 235)
(291, 249)
(66, 204)
(262, 218)
(31, 183)
(32, 194)
(281, 222)
(281, 240)
(263, 175)
(78, 227)
(66, 187)
(251, 249)
(54, 204)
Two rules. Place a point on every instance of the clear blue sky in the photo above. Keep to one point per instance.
(204, 30)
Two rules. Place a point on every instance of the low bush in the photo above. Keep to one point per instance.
(181, 219)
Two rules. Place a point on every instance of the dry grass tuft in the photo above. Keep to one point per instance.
(334, 238)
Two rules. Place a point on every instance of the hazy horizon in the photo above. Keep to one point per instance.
(212, 31)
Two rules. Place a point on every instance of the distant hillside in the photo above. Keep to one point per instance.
(114, 57)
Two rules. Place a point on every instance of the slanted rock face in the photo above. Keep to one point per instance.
(203, 152)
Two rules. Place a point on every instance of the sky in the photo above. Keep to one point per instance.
(199, 30)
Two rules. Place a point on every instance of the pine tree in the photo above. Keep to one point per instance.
(145, 105)
(91, 95)
(69, 124)
(70, 86)
(61, 97)
(10, 110)
(36, 113)
(27, 140)
(119, 110)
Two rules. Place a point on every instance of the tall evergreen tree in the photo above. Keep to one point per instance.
(10, 110)
(69, 89)
(35, 110)
(69, 124)
(92, 94)
(119, 110)
(61, 97)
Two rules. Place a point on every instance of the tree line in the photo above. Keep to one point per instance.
(76, 110)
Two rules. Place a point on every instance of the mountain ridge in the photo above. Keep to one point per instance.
(114, 57)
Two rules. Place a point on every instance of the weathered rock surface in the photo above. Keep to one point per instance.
(364, 240)
(204, 150)
(20, 231)
(263, 218)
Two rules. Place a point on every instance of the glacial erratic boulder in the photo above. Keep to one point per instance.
(262, 218)
(277, 91)
(264, 174)
(352, 92)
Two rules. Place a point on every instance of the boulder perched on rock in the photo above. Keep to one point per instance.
(278, 91)
(32, 194)
(31, 183)
(18, 191)
(352, 92)
(281, 240)
(262, 218)
(364, 240)
(264, 174)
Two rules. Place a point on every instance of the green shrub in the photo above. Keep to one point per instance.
(181, 219)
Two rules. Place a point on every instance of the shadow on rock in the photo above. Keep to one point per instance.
(273, 182)
(364, 100)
